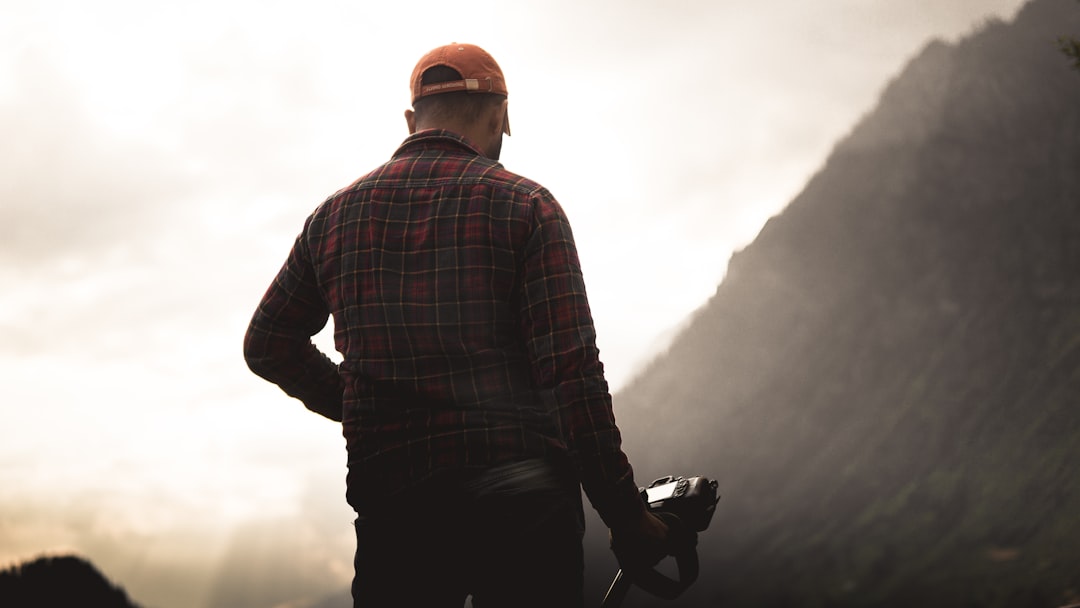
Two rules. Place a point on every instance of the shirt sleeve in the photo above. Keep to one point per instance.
(561, 341)
(278, 346)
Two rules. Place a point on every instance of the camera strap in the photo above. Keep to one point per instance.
(684, 550)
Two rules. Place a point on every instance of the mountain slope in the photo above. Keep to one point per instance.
(887, 382)
(59, 581)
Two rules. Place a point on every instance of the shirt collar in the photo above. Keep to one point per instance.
(436, 139)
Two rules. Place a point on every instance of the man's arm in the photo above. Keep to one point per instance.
(278, 344)
(561, 340)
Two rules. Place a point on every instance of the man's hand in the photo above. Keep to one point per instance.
(641, 544)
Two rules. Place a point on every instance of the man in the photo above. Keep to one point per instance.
(473, 401)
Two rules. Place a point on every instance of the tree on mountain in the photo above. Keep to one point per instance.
(1070, 45)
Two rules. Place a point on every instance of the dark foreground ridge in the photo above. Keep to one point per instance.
(59, 582)
(887, 382)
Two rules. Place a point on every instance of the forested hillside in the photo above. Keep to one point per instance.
(887, 382)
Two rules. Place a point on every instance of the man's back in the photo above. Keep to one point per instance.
(421, 261)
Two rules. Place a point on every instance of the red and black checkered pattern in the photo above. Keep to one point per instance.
(460, 310)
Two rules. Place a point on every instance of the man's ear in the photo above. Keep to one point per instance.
(506, 116)
(410, 119)
(496, 119)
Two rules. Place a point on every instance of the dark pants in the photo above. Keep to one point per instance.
(508, 536)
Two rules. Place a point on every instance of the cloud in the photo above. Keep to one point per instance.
(115, 242)
(68, 187)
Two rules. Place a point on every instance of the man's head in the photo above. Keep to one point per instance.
(459, 87)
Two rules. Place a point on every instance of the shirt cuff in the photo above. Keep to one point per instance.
(623, 507)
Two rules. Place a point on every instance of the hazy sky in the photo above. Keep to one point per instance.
(159, 158)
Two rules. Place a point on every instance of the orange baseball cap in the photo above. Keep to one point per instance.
(479, 72)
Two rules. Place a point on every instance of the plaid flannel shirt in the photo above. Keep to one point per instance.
(460, 310)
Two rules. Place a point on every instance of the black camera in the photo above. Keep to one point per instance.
(686, 504)
(691, 499)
